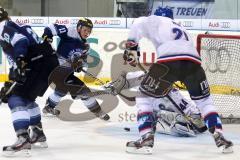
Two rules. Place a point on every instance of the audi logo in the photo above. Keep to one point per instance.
(216, 59)
(187, 23)
(37, 21)
(225, 24)
(114, 22)
(74, 21)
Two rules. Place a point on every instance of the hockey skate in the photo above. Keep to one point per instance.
(37, 137)
(49, 111)
(22, 147)
(144, 145)
(102, 115)
(222, 143)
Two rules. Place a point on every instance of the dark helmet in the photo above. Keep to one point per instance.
(165, 12)
(3, 14)
(85, 22)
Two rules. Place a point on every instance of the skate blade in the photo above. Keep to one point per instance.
(21, 153)
(142, 150)
(39, 145)
(227, 150)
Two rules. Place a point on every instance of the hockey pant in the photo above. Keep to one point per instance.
(156, 84)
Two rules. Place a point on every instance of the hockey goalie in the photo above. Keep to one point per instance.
(174, 114)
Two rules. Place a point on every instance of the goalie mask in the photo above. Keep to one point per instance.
(3, 14)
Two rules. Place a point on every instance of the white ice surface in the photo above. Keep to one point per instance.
(95, 140)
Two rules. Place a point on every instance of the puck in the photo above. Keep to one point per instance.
(127, 129)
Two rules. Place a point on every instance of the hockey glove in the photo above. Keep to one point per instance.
(131, 45)
(78, 59)
(130, 57)
(21, 69)
(47, 35)
(5, 91)
(77, 62)
(131, 53)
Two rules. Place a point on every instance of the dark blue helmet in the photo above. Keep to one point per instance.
(3, 14)
(165, 12)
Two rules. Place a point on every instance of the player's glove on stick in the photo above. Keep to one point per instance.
(131, 54)
(5, 93)
(21, 69)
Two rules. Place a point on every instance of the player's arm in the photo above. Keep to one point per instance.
(18, 41)
(54, 30)
(132, 50)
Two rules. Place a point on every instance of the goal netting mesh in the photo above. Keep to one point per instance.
(221, 61)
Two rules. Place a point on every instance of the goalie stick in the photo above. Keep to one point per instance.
(101, 92)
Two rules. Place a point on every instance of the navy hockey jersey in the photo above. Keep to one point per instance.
(70, 40)
(15, 39)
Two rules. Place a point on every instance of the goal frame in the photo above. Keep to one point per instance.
(225, 120)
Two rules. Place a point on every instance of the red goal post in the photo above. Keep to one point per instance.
(220, 56)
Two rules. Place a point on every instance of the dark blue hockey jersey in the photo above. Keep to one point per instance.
(15, 39)
(70, 41)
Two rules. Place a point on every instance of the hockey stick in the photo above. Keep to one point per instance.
(97, 93)
(199, 129)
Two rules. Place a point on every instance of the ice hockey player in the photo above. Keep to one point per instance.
(168, 119)
(178, 60)
(33, 62)
(72, 51)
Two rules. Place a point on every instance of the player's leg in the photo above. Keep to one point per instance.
(90, 102)
(152, 86)
(37, 136)
(21, 122)
(146, 124)
(52, 102)
(199, 91)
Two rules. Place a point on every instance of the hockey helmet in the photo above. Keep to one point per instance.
(165, 12)
(3, 14)
(85, 22)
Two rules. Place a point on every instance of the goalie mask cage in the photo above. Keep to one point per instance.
(220, 56)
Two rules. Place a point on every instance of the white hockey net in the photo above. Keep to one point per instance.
(221, 61)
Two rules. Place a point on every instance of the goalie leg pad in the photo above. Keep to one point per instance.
(156, 83)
